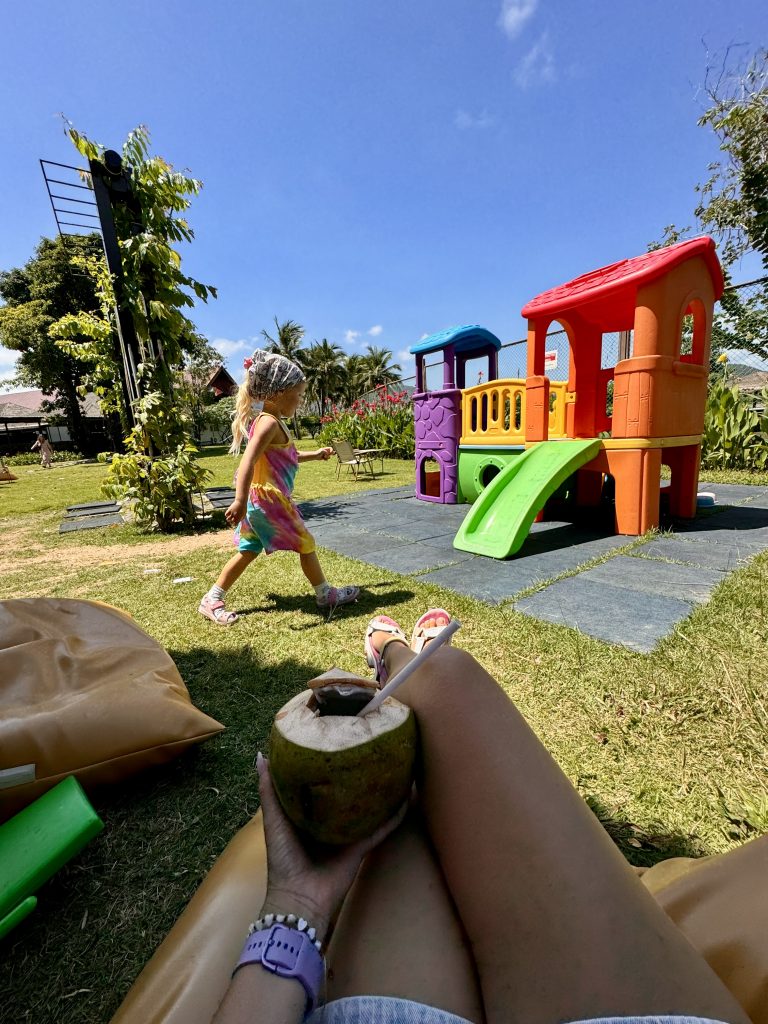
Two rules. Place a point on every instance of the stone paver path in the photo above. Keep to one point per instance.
(633, 598)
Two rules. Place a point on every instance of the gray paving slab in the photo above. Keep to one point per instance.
(103, 508)
(86, 508)
(725, 557)
(730, 494)
(91, 523)
(485, 579)
(687, 582)
(747, 522)
(410, 558)
(617, 615)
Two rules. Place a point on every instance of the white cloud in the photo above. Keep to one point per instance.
(404, 357)
(227, 348)
(351, 337)
(514, 14)
(465, 120)
(538, 65)
(376, 330)
(424, 335)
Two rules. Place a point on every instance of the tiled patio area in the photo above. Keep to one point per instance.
(633, 599)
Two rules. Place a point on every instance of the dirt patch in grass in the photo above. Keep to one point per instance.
(24, 539)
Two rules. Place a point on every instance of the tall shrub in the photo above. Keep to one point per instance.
(385, 423)
(735, 434)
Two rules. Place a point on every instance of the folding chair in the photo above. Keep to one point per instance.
(346, 456)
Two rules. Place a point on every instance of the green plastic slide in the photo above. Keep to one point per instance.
(39, 840)
(499, 521)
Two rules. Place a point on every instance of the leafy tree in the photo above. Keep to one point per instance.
(325, 372)
(192, 392)
(158, 471)
(377, 370)
(287, 342)
(733, 201)
(51, 285)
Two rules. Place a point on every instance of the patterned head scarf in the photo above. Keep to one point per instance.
(270, 373)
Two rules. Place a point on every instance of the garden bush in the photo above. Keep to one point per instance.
(33, 458)
(735, 433)
(385, 423)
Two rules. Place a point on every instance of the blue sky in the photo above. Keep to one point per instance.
(379, 171)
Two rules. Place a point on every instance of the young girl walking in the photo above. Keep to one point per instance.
(263, 512)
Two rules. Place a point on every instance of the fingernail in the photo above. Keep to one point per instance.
(259, 762)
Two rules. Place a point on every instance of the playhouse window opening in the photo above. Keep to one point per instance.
(609, 398)
(430, 477)
(433, 376)
(477, 371)
(686, 335)
(518, 410)
(488, 473)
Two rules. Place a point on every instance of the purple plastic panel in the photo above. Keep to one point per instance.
(437, 418)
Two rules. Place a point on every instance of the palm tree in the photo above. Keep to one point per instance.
(354, 371)
(377, 370)
(325, 371)
(287, 342)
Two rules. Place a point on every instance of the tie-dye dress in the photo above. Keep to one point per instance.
(272, 521)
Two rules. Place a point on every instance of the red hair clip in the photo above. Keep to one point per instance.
(247, 363)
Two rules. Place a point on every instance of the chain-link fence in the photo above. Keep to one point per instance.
(751, 298)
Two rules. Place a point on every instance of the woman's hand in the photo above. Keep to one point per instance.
(324, 453)
(297, 881)
(235, 512)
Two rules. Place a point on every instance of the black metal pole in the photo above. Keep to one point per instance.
(127, 346)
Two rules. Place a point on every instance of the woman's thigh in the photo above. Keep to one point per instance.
(398, 933)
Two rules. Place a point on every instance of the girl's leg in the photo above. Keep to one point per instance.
(559, 926)
(310, 566)
(327, 596)
(235, 568)
(398, 933)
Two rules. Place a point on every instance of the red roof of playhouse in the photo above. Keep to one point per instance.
(607, 296)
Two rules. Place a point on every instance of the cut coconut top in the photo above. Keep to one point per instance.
(304, 727)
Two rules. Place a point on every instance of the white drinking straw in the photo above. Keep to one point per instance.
(442, 637)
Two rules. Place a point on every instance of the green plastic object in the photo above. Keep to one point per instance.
(39, 840)
(500, 519)
(479, 464)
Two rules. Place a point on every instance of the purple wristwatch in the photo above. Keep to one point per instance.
(288, 953)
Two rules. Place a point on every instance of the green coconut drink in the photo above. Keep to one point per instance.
(339, 775)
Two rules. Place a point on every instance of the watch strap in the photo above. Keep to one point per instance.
(289, 954)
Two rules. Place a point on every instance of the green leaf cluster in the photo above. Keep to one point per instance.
(157, 471)
(735, 432)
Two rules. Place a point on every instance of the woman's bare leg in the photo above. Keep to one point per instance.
(398, 933)
(560, 928)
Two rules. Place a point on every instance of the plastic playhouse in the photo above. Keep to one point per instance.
(508, 445)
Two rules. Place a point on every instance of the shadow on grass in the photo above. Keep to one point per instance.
(366, 606)
(643, 847)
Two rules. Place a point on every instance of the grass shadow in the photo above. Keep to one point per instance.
(366, 606)
(644, 847)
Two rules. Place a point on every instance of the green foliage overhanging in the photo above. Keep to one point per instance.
(157, 471)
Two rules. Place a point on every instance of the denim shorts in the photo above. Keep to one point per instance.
(386, 1010)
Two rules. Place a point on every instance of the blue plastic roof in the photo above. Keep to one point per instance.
(464, 339)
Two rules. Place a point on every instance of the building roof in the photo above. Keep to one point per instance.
(464, 339)
(607, 296)
(31, 401)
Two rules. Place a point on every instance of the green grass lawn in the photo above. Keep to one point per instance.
(669, 748)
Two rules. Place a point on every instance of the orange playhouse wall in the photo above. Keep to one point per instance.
(658, 392)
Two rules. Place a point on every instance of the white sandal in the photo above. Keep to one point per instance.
(421, 635)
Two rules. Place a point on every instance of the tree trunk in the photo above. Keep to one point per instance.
(74, 415)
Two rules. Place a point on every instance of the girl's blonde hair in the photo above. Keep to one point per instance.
(266, 374)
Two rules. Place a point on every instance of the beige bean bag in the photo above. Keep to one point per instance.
(721, 903)
(85, 692)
